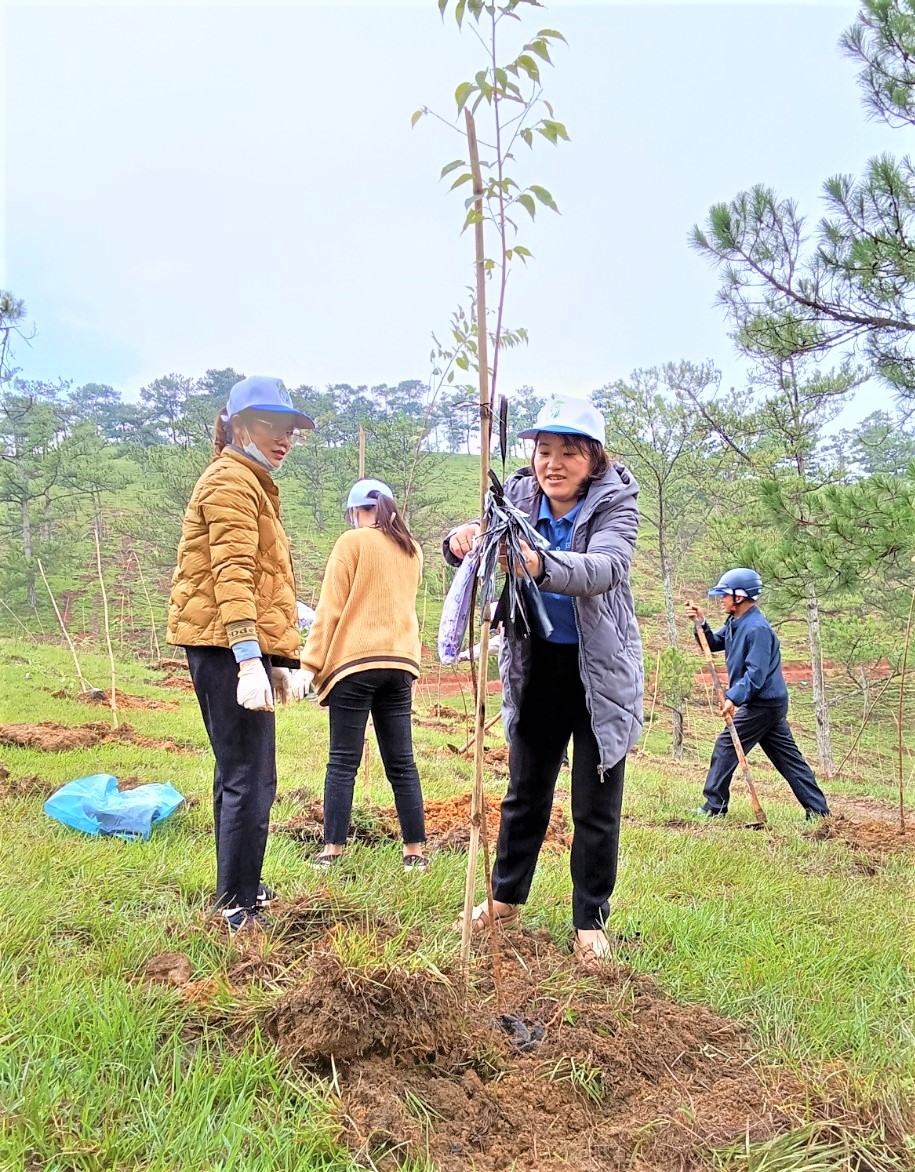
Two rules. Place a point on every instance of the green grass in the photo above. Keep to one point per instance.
(99, 1071)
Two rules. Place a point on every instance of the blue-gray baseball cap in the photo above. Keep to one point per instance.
(258, 392)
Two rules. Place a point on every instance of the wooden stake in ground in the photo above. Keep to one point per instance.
(654, 698)
(152, 613)
(477, 803)
(367, 764)
(728, 720)
(101, 579)
(473, 738)
(84, 687)
(901, 747)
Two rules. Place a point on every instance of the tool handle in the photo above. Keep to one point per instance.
(729, 721)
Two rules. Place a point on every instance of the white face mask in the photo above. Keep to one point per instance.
(252, 450)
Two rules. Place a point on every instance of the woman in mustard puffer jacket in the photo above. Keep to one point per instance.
(233, 609)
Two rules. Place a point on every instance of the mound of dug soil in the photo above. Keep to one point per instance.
(101, 699)
(624, 1078)
(343, 1015)
(873, 837)
(24, 787)
(619, 1076)
(447, 824)
(57, 738)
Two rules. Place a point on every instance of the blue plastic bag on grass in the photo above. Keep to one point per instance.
(95, 805)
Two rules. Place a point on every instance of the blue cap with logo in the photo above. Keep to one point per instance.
(365, 493)
(258, 392)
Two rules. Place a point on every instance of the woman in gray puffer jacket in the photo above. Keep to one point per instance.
(584, 682)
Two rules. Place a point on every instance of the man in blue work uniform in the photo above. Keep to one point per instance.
(756, 698)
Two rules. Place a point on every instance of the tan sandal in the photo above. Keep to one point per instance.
(479, 918)
(594, 957)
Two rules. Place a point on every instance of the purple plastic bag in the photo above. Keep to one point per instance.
(456, 611)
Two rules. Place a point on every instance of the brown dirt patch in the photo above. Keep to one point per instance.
(179, 683)
(168, 968)
(56, 738)
(169, 664)
(25, 787)
(865, 807)
(448, 823)
(873, 838)
(453, 685)
(370, 825)
(100, 699)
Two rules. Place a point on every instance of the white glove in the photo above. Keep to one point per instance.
(254, 689)
(288, 684)
(300, 682)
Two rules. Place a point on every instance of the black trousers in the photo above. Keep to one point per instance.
(767, 726)
(386, 693)
(244, 780)
(553, 709)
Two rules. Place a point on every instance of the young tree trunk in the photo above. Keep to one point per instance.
(820, 706)
(44, 529)
(667, 583)
(32, 593)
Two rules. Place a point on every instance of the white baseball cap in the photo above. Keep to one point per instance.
(565, 416)
(365, 493)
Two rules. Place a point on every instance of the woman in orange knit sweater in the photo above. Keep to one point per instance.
(363, 651)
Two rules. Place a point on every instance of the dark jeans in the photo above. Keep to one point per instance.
(553, 709)
(244, 780)
(386, 693)
(767, 726)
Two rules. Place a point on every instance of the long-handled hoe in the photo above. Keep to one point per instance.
(729, 721)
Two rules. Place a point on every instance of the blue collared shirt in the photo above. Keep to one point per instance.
(558, 532)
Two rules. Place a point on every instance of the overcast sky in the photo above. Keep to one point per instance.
(224, 185)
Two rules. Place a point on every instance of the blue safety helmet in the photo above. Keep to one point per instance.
(742, 583)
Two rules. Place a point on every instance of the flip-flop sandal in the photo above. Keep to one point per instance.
(593, 958)
(324, 862)
(418, 863)
(479, 919)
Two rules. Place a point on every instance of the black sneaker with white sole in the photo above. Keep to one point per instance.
(265, 895)
(245, 919)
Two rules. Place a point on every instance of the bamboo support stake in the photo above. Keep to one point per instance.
(79, 675)
(367, 765)
(473, 737)
(477, 804)
(152, 613)
(101, 579)
(17, 619)
(905, 660)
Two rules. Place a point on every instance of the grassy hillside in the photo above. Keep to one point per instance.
(803, 938)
